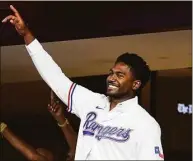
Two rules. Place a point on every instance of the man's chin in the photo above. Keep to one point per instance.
(111, 94)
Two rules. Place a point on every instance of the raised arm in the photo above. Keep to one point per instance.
(57, 111)
(27, 150)
(46, 67)
(74, 96)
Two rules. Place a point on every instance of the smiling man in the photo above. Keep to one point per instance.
(113, 127)
(127, 77)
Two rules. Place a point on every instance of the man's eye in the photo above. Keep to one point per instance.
(120, 75)
(110, 73)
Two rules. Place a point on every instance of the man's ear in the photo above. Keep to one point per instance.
(136, 85)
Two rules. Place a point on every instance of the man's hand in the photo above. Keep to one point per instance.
(55, 108)
(20, 25)
(17, 21)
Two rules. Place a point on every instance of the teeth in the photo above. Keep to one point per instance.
(111, 86)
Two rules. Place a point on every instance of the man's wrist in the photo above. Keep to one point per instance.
(63, 123)
(60, 118)
(28, 36)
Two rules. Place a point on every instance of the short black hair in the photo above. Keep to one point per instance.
(139, 67)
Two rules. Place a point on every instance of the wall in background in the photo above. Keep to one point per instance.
(176, 126)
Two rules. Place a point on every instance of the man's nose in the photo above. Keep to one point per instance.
(113, 78)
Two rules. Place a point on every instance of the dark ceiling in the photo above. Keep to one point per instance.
(58, 21)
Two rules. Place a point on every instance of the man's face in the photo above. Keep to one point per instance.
(120, 81)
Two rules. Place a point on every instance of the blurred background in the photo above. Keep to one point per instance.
(84, 38)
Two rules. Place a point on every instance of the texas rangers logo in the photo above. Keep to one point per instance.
(92, 128)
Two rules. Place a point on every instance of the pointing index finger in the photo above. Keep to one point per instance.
(14, 10)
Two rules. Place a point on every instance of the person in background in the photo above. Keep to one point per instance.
(57, 110)
(42, 154)
(29, 152)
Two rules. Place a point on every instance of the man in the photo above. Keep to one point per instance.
(114, 127)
